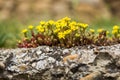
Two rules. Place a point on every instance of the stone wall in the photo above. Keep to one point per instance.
(27, 9)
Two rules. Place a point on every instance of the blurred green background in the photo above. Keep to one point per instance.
(16, 15)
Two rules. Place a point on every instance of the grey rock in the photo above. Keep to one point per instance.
(46, 63)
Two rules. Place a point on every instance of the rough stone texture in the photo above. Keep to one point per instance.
(47, 63)
(86, 10)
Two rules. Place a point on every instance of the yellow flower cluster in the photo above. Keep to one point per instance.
(63, 30)
(65, 27)
(98, 30)
(61, 35)
(60, 28)
(40, 28)
(116, 31)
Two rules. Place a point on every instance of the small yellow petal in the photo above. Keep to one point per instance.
(115, 31)
(99, 30)
(42, 22)
(92, 30)
(24, 31)
(116, 27)
(107, 32)
(77, 35)
(30, 27)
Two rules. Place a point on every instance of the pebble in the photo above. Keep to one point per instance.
(39, 52)
(2, 65)
(66, 51)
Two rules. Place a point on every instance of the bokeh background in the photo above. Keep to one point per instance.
(16, 15)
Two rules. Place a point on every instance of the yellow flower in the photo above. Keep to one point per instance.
(74, 28)
(92, 30)
(115, 31)
(42, 22)
(30, 27)
(77, 35)
(61, 35)
(45, 24)
(66, 19)
(99, 30)
(73, 23)
(58, 21)
(79, 24)
(82, 25)
(24, 31)
(40, 28)
(107, 32)
(19, 41)
(56, 30)
(57, 25)
(67, 32)
(63, 24)
(116, 27)
(51, 22)
(118, 35)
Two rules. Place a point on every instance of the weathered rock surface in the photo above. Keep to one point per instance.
(55, 63)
